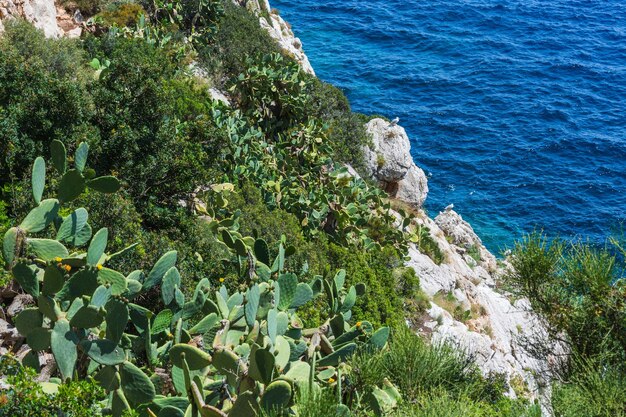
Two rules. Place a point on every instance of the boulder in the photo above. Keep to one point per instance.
(389, 161)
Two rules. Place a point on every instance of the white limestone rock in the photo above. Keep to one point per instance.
(280, 31)
(389, 161)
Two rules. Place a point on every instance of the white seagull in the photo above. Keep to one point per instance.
(450, 207)
(394, 122)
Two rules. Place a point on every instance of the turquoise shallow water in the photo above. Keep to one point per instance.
(516, 110)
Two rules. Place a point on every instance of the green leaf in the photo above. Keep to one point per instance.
(261, 251)
(59, 156)
(252, 304)
(265, 364)
(63, 343)
(47, 249)
(106, 184)
(72, 224)
(87, 317)
(39, 339)
(8, 245)
(38, 178)
(117, 319)
(28, 320)
(27, 278)
(103, 351)
(82, 237)
(171, 280)
(162, 321)
(288, 284)
(196, 358)
(136, 385)
(80, 158)
(204, 325)
(155, 276)
(113, 278)
(338, 356)
(52, 280)
(72, 185)
(97, 246)
(41, 216)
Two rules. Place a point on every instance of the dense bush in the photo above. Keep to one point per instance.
(28, 398)
(346, 131)
(43, 95)
(579, 289)
(238, 39)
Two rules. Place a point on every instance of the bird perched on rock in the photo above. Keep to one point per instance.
(394, 122)
(449, 208)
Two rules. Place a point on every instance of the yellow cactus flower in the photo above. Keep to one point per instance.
(67, 268)
(99, 266)
(58, 259)
(331, 380)
(222, 279)
(358, 324)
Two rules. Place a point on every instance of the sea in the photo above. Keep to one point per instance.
(516, 110)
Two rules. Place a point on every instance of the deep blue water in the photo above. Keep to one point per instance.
(516, 110)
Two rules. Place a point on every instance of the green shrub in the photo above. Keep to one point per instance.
(578, 288)
(239, 37)
(27, 398)
(121, 15)
(593, 391)
(346, 130)
(441, 403)
(43, 95)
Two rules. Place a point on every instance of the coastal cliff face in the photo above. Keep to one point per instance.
(468, 310)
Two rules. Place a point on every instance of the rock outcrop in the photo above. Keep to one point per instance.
(467, 309)
(46, 15)
(279, 30)
(389, 161)
(41, 13)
